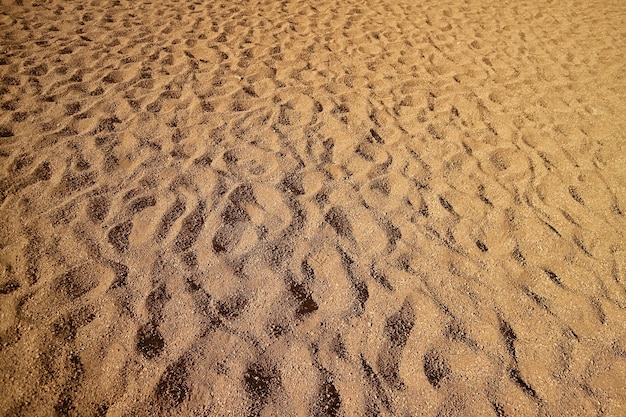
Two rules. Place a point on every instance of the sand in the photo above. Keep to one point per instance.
(312, 208)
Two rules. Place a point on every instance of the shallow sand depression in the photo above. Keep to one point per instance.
(312, 208)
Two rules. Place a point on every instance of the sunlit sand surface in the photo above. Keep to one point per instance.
(312, 208)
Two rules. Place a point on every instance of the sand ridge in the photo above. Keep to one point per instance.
(312, 208)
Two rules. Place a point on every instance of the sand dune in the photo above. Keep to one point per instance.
(312, 208)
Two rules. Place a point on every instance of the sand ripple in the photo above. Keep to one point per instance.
(312, 208)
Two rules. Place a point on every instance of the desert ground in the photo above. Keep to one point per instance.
(313, 208)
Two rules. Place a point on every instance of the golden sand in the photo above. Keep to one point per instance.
(312, 208)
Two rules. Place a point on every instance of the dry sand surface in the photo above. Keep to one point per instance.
(312, 208)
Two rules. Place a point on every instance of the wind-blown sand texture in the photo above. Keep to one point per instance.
(312, 208)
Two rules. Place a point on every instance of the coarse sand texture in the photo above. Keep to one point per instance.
(313, 208)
